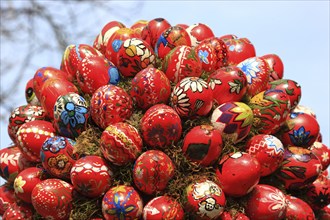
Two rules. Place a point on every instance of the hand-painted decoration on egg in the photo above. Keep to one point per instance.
(299, 168)
(7, 197)
(26, 181)
(203, 145)
(30, 95)
(71, 113)
(52, 199)
(172, 37)
(191, 96)
(233, 119)
(160, 126)
(290, 87)
(238, 50)
(257, 74)
(138, 26)
(276, 66)
(322, 152)
(300, 130)
(134, 56)
(270, 110)
(204, 200)
(21, 115)
(121, 143)
(266, 202)
(91, 176)
(152, 171)
(199, 32)
(31, 136)
(57, 156)
(122, 202)
(228, 84)
(298, 209)
(152, 31)
(318, 194)
(304, 109)
(163, 207)
(18, 211)
(268, 150)
(227, 37)
(182, 62)
(110, 104)
(150, 86)
(238, 173)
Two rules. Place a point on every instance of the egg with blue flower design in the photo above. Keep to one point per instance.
(71, 113)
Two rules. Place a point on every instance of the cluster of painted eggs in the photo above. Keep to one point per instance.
(253, 130)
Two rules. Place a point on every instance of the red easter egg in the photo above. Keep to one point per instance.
(233, 119)
(199, 32)
(318, 194)
(290, 87)
(238, 173)
(191, 96)
(212, 54)
(121, 143)
(17, 211)
(31, 136)
(299, 168)
(298, 209)
(12, 162)
(266, 202)
(155, 27)
(26, 181)
(322, 152)
(21, 115)
(270, 110)
(91, 176)
(238, 50)
(304, 109)
(324, 213)
(57, 156)
(228, 37)
(30, 95)
(228, 84)
(138, 26)
(7, 197)
(185, 26)
(122, 202)
(182, 62)
(150, 86)
(300, 130)
(276, 66)
(110, 104)
(204, 200)
(172, 37)
(268, 150)
(94, 72)
(203, 145)
(161, 208)
(52, 199)
(152, 171)
(257, 74)
(115, 42)
(160, 126)
(73, 56)
(135, 55)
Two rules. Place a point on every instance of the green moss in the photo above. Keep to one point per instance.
(88, 142)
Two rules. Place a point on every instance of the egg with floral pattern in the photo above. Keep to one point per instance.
(160, 126)
(152, 170)
(21, 115)
(298, 209)
(257, 74)
(199, 32)
(204, 200)
(318, 194)
(233, 119)
(300, 130)
(30, 95)
(135, 55)
(138, 26)
(163, 207)
(150, 86)
(71, 113)
(122, 202)
(31, 136)
(182, 62)
(18, 211)
(191, 96)
(52, 199)
(91, 176)
(299, 168)
(266, 202)
(57, 156)
(322, 152)
(121, 143)
(110, 104)
(154, 28)
(238, 50)
(276, 66)
(304, 109)
(26, 181)
(228, 84)
(7, 197)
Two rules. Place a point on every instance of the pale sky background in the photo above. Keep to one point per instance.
(297, 31)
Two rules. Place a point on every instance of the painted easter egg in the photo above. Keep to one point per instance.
(318, 194)
(7, 197)
(152, 31)
(276, 66)
(163, 207)
(238, 49)
(199, 32)
(30, 95)
(138, 26)
(304, 109)
(18, 211)
(322, 152)
(298, 209)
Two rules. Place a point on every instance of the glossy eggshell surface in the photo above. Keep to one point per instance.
(19, 211)
(161, 208)
(298, 209)
(322, 152)
(199, 32)
(276, 66)
(238, 50)
(152, 31)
